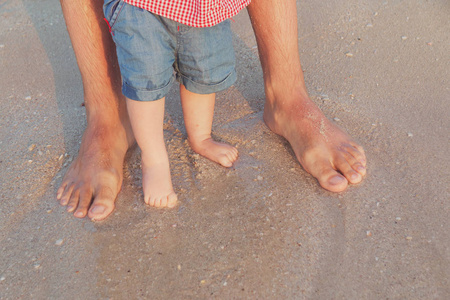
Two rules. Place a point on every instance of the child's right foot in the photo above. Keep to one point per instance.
(157, 185)
(220, 153)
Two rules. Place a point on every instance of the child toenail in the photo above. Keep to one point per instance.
(98, 209)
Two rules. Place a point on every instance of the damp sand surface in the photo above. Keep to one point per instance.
(263, 229)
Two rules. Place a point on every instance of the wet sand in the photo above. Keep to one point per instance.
(263, 229)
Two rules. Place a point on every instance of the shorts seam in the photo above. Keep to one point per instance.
(117, 13)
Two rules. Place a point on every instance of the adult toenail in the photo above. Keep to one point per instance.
(354, 176)
(361, 168)
(98, 209)
(78, 214)
(69, 208)
(336, 180)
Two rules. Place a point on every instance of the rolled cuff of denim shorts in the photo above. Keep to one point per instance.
(146, 95)
(201, 88)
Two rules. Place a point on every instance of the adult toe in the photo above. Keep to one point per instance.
(73, 201)
(343, 166)
(357, 152)
(84, 203)
(327, 176)
(61, 190)
(355, 163)
(102, 205)
(66, 194)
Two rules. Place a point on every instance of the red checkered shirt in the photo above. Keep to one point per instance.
(196, 13)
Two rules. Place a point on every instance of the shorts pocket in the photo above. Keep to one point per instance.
(111, 10)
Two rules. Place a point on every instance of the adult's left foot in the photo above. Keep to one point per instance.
(323, 149)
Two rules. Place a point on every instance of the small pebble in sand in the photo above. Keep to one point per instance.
(2, 46)
(259, 177)
(2, 278)
(430, 43)
(49, 211)
(59, 242)
(203, 281)
(368, 233)
(40, 152)
(30, 161)
(404, 38)
(179, 267)
(28, 98)
(31, 147)
(349, 54)
(409, 238)
(336, 119)
(410, 134)
(398, 219)
(36, 265)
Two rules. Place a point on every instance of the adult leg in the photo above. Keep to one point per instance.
(94, 179)
(324, 150)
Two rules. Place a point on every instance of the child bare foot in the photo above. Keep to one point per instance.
(157, 185)
(220, 153)
(198, 111)
(147, 118)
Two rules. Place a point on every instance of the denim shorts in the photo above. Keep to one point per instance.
(153, 51)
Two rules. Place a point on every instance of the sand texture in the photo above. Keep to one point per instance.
(263, 229)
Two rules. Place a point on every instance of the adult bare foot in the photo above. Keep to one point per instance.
(220, 153)
(323, 149)
(94, 179)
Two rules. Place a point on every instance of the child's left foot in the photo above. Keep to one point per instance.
(220, 153)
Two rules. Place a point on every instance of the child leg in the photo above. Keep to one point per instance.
(147, 122)
(198, 111)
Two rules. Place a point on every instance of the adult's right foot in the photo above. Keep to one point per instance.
(93, 181)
